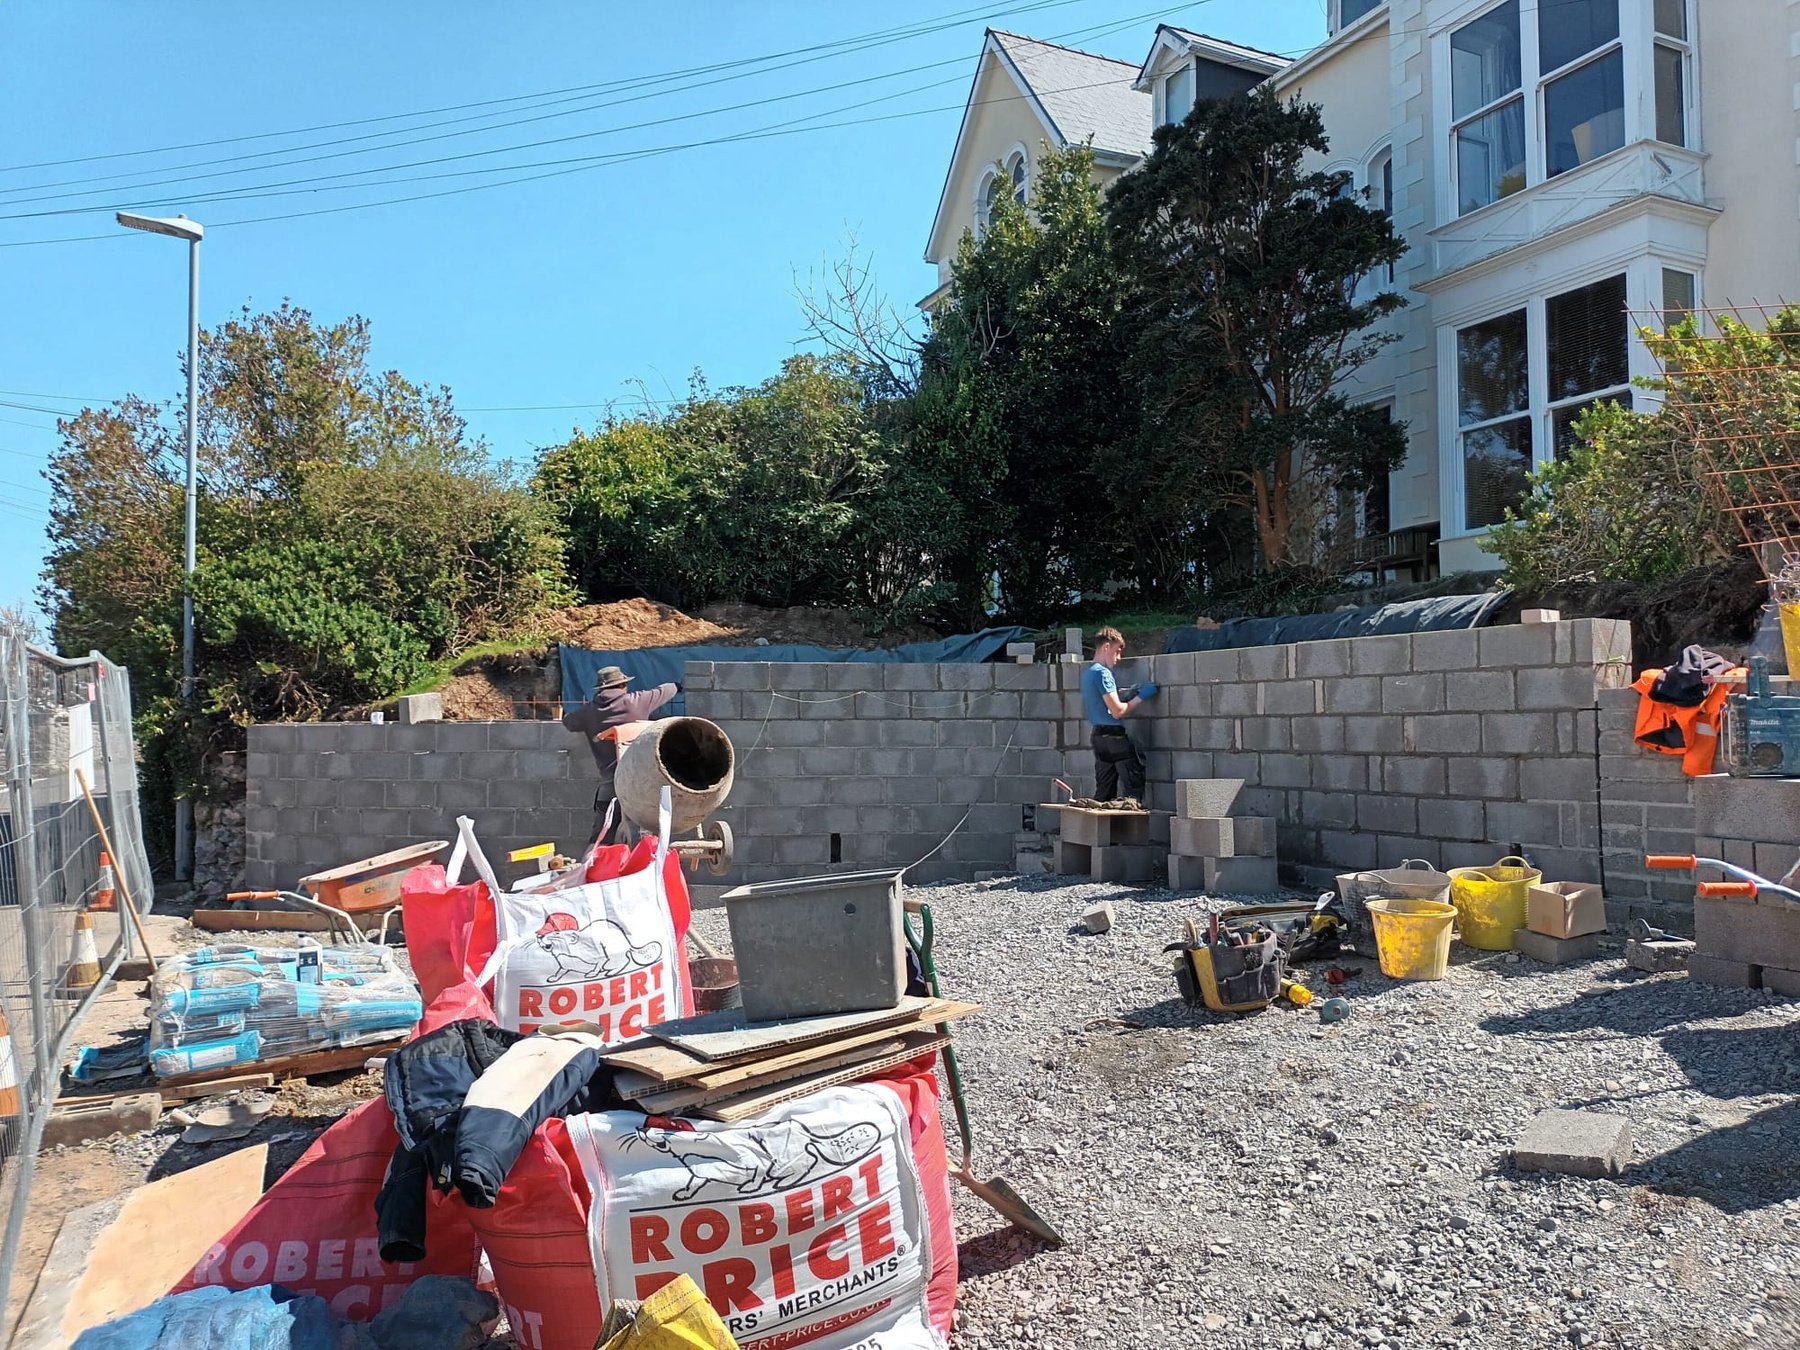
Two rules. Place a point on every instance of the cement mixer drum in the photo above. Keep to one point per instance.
(691, 756)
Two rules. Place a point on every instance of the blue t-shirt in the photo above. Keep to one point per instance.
(1096, 681)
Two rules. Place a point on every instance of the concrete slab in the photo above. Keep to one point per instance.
(1574, 1143)
(1555, 951)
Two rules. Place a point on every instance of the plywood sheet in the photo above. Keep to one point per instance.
(682, 1097)
(726, 1035)
(753, 1104)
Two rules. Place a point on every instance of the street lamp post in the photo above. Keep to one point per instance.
(180, 227)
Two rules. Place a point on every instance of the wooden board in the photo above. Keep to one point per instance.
(334, 1060)
(1097, 811)
(261, 920)
(726, 1035)
(243, 1082)
(753, 1104)
(162, 1230)
(682, 1098)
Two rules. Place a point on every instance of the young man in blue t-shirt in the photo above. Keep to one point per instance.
(1106, 711)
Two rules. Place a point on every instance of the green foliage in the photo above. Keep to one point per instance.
(349, 532)
(750, 494)
(1250, 303)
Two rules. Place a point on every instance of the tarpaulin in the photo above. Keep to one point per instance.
(1406, 616)
(662, 665)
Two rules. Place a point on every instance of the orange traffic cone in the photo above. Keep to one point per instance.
(84, 956)
(105, 896)
(9, 1092)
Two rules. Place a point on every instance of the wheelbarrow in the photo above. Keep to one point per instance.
(996, 1193)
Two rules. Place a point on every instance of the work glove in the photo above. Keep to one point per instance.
(1147, 690)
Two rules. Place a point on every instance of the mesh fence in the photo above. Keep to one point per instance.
(65, 724)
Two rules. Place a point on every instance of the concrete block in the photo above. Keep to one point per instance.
(1518, 645)
(1353, 695)
(1122, 862)
(1286, 698)
(1783, 982)
(1388, 654)
(1448, 650)
(1209, 837)
(1341, 773)
(1387, 815)
(1452, 818)
(1479, 691)
(1238, 700)
(1318, 735)
(1327, 810)
(1215, 667)
(1240, 876)
(1265, 733)
(1033, 862)
(1327, 659)
(1575, 1143)
(416, 708)
(1186, 874)
(1555, 951)
(1556, 687)
(1486, 777)
(78, 1124)
(1724, 974)
(742, 675)
(1347, 850)
(1254, 836)
(1525, 823)
(1285, 771)
(1765, 810)
(1214, 733)
(1523, 733)
(1266, 663)
(1415, 776)
(1557, 780)
(1413, 693)
(1098, 918)
(1073, 859)
(1206, 798)
(1541, 616)
(1659, 954)
(1748, 932)
(1374, 735)
(1595, 642)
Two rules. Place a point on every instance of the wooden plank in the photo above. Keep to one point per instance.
(411, 855)
(633, 1084)
(683, 1098)
(726, 1035)
(333, 1060)
(243, 1082)
(1097, 811)
(753, 1104)
(260, 920)
(162, 1230)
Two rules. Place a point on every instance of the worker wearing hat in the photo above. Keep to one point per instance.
(613, 705)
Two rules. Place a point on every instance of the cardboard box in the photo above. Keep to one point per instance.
(1565, 909)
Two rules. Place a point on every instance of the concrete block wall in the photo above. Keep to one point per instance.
(843, 767)
(1646, 806)
(319, 794)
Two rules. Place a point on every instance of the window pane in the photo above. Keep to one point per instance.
(1584, 114)
(1495, 461)
(1179, 95)
(1387, 185)
(1018, 179)
(1586, 338)
(1490, 157)
(1491, 374)
(1671, 18)
(1568, 29)
(1677, 296)
(1671, 95)
(1349, 11)
(1484, 59)
(1563, 420)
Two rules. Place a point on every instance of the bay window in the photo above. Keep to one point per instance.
(1679, 296)
(1494, 413)
(1586, 350)
(1487, 103)
(1670, 58)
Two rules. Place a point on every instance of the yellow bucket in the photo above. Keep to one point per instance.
(1412, 937)
(1490, 901)
(1790, 634)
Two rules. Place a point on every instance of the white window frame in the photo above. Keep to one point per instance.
(1335, 18)
(1378, 187)
(1190, 66)
(1662, 307)
(1547, 428)
(1540, 159)
(1000, 168)
(1690, 106)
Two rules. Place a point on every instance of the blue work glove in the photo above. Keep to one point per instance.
(1147, 690)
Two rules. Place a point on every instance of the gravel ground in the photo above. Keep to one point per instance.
(1267, 1181)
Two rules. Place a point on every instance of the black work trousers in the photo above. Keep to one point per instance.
(1114, 754)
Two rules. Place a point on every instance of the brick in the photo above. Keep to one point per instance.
(1556, 687)
(1517, 733)
(1203, 798)
(1574, 1143)
(1486, 777)
(1479, 691)
(1390, 815)
(1518, 645)
(1559, 780)
(1122, 862)
(1235, 876)
(1266, 663)
(1451, 818)
(1389, 654)
(1413, 694)
(1186, 874)
(1374, 735)
(1555, 951)
(1722, 973)
(1453, 733)
(1254, 836)
(1322, 659)
(1448, 649)
(1414, 776)
(1745, 931)
(1208, 837)
(1353, 695)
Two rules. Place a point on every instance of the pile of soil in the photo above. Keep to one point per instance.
(625, 625)
(1716, 606)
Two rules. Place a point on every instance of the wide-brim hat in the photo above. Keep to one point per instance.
(610, 677)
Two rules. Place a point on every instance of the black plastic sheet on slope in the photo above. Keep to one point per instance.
(1406, 616)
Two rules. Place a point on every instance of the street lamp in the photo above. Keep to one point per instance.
(180, 227)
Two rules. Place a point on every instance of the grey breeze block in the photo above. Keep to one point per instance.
(1203, 798)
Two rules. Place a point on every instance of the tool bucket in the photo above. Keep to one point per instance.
(1490, 901)
(690, 756)
(1412, 937)
(1413, 879)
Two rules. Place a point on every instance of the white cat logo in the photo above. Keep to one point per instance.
(598, 951)
(752, 1161)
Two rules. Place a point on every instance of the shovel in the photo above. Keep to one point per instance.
(997, 1194)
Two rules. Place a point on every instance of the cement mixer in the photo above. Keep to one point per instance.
(694, 759)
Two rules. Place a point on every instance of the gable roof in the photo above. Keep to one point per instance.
(1082, 95)
(1208, 48)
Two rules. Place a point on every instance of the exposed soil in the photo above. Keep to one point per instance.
(1716, 606)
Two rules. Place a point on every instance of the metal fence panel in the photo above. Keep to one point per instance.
(61, 718)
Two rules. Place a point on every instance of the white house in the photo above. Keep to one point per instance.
(1563, 171)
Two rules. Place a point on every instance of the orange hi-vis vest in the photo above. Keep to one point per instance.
(1692, 733)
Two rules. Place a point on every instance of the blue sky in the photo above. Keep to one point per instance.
(611, 283)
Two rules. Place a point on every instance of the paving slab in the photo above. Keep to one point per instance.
(1575, 1143)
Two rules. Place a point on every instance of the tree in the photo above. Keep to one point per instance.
(1020, 398)
(1249, 307)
